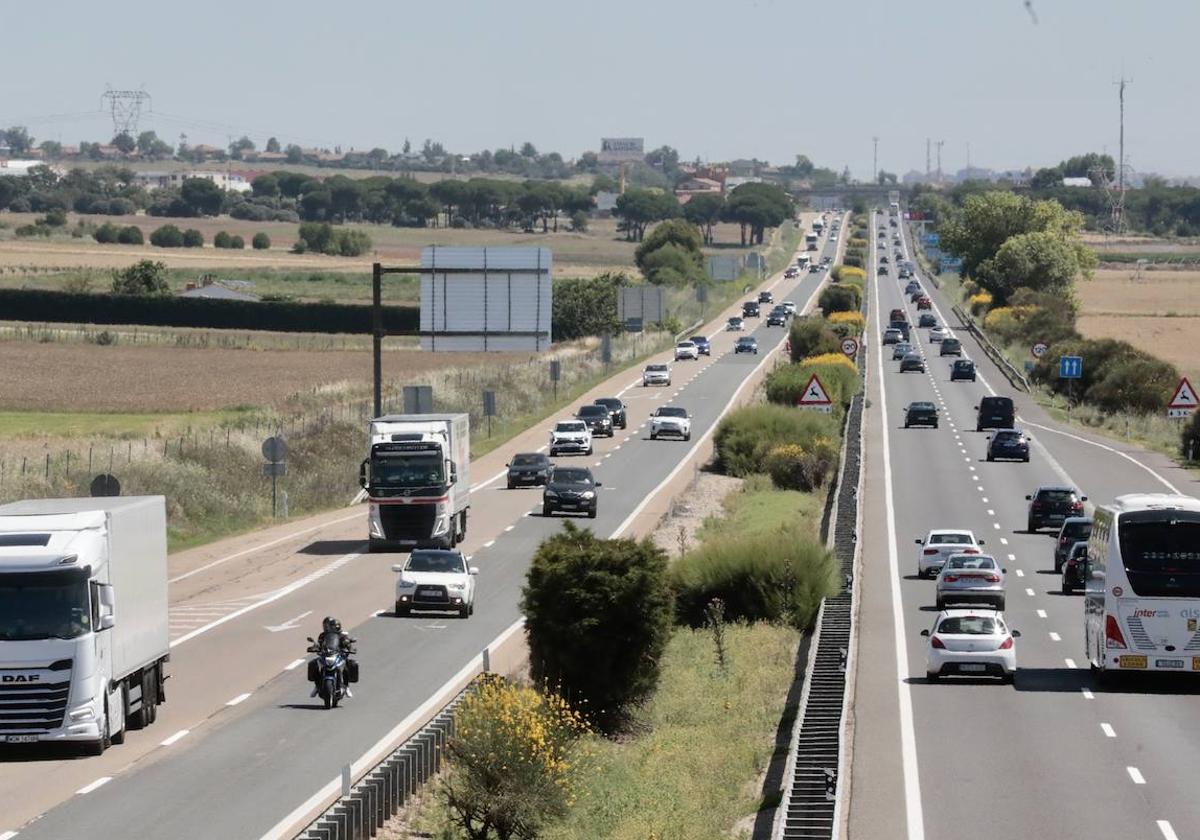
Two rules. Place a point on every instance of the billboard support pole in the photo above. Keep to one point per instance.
(377, 335)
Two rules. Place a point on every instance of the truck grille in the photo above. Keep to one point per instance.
(412, 522)
(33, 706)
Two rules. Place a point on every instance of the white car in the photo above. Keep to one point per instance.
(656, 375)
(833, 237)
(940, 544)
(734, 325)
(434, 579)
(570, 436)
(939, 334)
(790, 306)
(686, 350)
(670, 420)
(971, 643)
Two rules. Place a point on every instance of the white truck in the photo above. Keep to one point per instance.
(83, 619)
(417, 480)
(810, 241)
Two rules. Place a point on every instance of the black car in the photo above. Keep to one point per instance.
(962, 369)
(927, 320)
(616, 410)
(1074, 568)
(746, 344)
(883, 269)
(597, 419)
(913, 361)
(702, 347)
(765, 297)
(531, 468)
(1074, 529)
(913, 286)
(903, 327)
(994, 413)
(1008, 444)
(1052, 505)
(951, 347)
(777, 318)
(570, 489)
(921, 414)
(750, 309)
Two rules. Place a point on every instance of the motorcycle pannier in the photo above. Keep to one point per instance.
(352, 670)
(314, 671)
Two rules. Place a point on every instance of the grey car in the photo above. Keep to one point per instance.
(971, 579)
(901, 350)
(913, 361)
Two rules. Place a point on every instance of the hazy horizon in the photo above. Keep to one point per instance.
(715, 79)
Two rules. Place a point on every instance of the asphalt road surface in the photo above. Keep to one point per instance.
(240, 743)
(1052, 755)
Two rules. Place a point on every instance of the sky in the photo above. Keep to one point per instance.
(716, 79)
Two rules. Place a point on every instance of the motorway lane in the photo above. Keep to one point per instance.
(273, 742)
(994, 760)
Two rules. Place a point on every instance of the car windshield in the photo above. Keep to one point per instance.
(892, 333)
(912, 357)
(685, 345)
(44, 605)
(570, 426)
(1056, 496)
(964, 364)
(951, 342)
(1008, 437)
(609, 402)
(903, 347)
(450, 562)
(700, 340)
(671, 411)
(656, 368)
(568, 475)
(1077, 530)
(921, 406)
(951, 539)
(406, 469)
(735, 320)
(970, 625)
(996, 404)
(1161, 556)
(971, 561)
(526, 460)
(593, 411)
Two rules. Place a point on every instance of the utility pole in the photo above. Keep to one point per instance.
(1119, 206)
(875, 159)
(928, 167)
(968, 159)
(940, 143)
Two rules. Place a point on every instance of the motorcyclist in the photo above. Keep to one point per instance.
(345, 645)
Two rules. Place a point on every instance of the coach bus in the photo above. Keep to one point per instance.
(1142, 595)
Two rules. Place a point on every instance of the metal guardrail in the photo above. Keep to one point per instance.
(365, 806)
(1009, 370)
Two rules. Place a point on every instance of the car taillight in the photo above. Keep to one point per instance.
(970, 551)
(1036, 506)
(950, 579)
(992, 578)
(929, 551)
(1006, 644)
(1114, 639)
(934, 641)
(1076, 505)
(1063, 540)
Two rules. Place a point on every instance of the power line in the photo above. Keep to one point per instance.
(126, 109)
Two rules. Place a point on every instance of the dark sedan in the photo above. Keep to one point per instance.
(913, 361)
(962, 369)
(777, 318)
(746, 344)
(702, 347)
(597, 419)
(927, 320)
(921, 414)
(1009, 444)
(570, 489)
(528, 468)
(616, 411)
(1052, 504)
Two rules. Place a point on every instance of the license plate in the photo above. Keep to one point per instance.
(1131, 661)
(430, 593)
(1168, 663)
(971, 666)
(21, 739)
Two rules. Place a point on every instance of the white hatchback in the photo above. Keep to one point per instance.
(433, 579)
(971, 643)
(940, 544)
(656, 375)
(686, 350)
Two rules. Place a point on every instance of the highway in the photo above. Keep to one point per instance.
(1053, 755)
(240, 744)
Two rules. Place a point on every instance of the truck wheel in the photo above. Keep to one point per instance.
(98, 747)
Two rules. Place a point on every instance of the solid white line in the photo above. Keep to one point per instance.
(509, 528)
(1041, 613)
(294, 664)
(1070, 663)
(1127, 457)
(103, 780)
(1108, 731)
(908, 739)
(178, 736)
(7, 835)
(1136, 775)
(238, 699)
(1087, 694)
(1168, 833)
(1054, 637)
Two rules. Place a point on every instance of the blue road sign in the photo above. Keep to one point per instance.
(932, 239)
(933, 253)
(1070, 367)
(951, 263)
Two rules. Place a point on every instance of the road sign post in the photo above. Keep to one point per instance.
(555, 374)
(489, 408)
(274, 449)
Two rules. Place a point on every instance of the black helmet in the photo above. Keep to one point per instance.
(331, 625)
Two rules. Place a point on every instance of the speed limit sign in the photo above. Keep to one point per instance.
(1039, 349)
(850, 347)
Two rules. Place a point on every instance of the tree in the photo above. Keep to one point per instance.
(988, 219)
(150, 146)
(885, 177)
(222, 240)
(1042, 261)
(587, 306)
(604, 183)
(295, 154)
(193, 238)
(265, 186)
(664, 159)
(804, 166)
(273, 145)
(17, 139)
(671, 254)
(598, 616)
(756, 207)
(145, 277)
(638, 208)
(261, 241)
(377, 157)
(236, 242)
(51, 148)
(407, 147)
(528, 150)
(704, 211)
(240, 146)
(202, 196)
(167, 236)
(124, 142)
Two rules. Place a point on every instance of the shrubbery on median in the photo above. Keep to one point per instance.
(843, 297)
(745, 436)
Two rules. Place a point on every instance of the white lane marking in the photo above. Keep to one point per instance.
(1127, 457)
(1012, 557)
(245, 551)
(1087, 694)
(238, 699)
(178, 736)
(1041, 613)
(1136, 775)
(615, 448)
(1020, 573)
(984, 499)
(990, 511)
(103, 780)
(542, 448)
(509, 528)
(1003, 541)
(1054, 637)
(1029, 592)
(979, 487)
(607, 455)
(1168, 833)
(996, 525)
(7, 835)
(908, 739)
(294, 664)
(1070, 663)
(377, 613)
(491, 543)
(1108, 731)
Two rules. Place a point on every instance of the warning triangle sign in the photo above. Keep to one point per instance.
(814, 393)
(1185, 396)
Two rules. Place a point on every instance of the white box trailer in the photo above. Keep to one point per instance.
(417, 478)
(83, 618)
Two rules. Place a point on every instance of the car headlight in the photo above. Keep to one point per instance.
(83, 712)
(405, 584)
(458, 587)
(587, 494)
(550, 494)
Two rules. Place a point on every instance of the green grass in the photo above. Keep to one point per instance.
(758, 507)
(99, 424)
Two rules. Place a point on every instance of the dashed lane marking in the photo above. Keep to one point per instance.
(178, 736)
(1108, 731)
(1136, 775)
(103, 780)
(240, 698)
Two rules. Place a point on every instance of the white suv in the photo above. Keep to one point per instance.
(670, 420)
(656, 375)
(686, 350)
(570, 436)
(434, 579)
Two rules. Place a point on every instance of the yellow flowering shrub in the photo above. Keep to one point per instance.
(855, 318)
(832, 359)
(979, 302)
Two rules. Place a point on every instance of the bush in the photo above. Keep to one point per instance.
(840, 298)
(221, 240)
(1142, 385)
(979, 302)
(106, 234)
(854, 319)
(858, 244)
(144, 277)
(193, 238)
(322, 238)
(854, 261)
(53, 218)
(167, 236)
(261, 241)
(841, 273)
(515, 760)
(810, 337)
(804, 468)
(237, 243)
(779, 575)
(598, 616)
(130, 235)
(838, 375)
(745, 436)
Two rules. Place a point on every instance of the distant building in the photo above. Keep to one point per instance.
(228, 181)
(1077, 182)
(264, 157)
(734, 181)
(697, 186)
(606, 203)
(20, 167)
(209, 288)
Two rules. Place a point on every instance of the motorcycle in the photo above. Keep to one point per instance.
(332, 669)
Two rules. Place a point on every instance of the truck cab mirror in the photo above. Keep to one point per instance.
(107, 602)
(108, 621)
(362, 473)
(451, 471)
(924, 632)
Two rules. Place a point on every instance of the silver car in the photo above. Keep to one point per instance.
(901, 350)
(971, 579)
(938, 334)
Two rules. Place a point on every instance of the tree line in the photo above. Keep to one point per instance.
(753, 206)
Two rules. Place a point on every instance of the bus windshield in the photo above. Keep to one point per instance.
(1162, 557)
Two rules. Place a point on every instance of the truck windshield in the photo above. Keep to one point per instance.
(410, 469)
(44, 605)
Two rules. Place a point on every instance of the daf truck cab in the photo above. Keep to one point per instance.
(416, 478)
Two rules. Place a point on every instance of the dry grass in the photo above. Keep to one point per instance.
(1115, 292)
(1170, 339)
